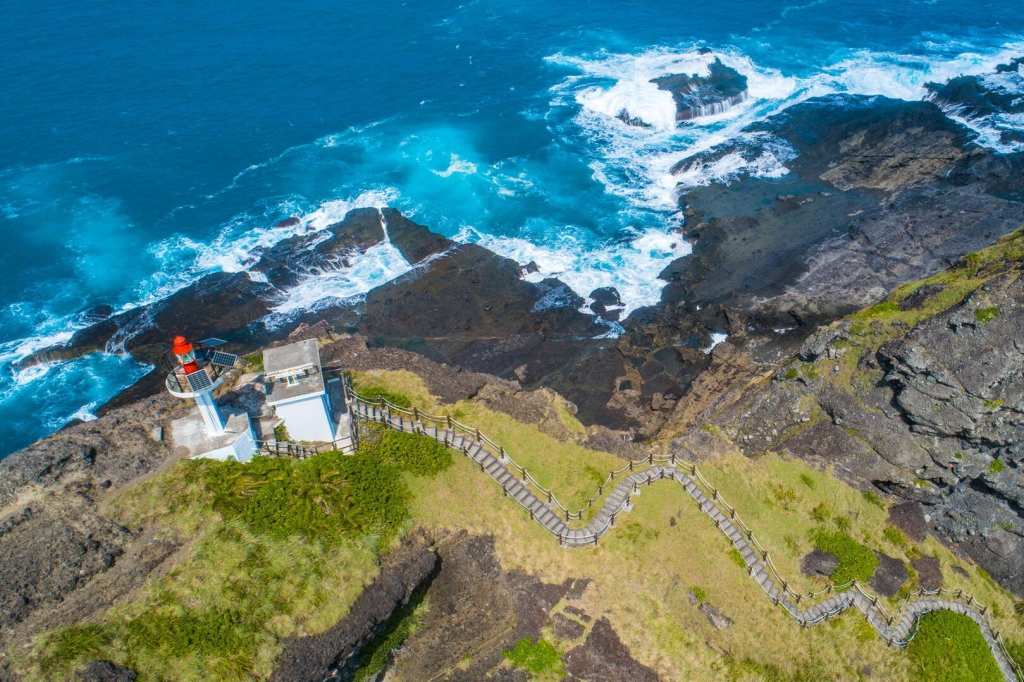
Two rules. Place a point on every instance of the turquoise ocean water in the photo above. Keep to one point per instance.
(144, 144)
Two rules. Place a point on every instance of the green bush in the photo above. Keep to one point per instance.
(856, 562)
(784, 495)
(843, 523)
(791, 373)
(808, 481)
(895, 536)
(822, 512)
(949, 647)
(419, 455)
(330, 496)
(996, 466)
(1016, 651)
(536, 657)
(699, 593)
(986, 315)
(281, 434)
(737, 558)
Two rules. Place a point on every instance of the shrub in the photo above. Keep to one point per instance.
(994, 404)
(949, 647)
(808, 481)
(281, 434)
(843, 523)
(699, 593)
(986, 315)
(856, 562)
(536, 657)
(791, 373)
(1016, 651)
(895, 536)
(737, 558)
(871, 497)
(996, 466)
(419, 455)
(784, 495)
(821, 513)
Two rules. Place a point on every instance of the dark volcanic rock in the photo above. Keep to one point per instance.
(603, 658)
(565, 628)
(477, 610)
(696, 96)
(889, 576)
(909, 518)
(929, 573)
(717, 619)
(986, 95)
(819, 562)
(106, 671)
(312, 658)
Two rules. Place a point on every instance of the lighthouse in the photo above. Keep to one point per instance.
(189, 380)
(196, 370)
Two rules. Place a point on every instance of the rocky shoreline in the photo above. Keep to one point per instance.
(879, 193)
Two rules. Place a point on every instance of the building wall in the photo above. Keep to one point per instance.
(307, 419)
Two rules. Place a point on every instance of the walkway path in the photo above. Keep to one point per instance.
(494, 461)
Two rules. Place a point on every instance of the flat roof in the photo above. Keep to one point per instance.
(293, 357)
(299, 361)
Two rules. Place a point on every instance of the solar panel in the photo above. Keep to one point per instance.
(199, 381)
(212, 342)
(223, 359)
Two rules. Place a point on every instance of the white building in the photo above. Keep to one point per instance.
(297, 391)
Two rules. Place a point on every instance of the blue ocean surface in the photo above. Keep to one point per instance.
(145, 144)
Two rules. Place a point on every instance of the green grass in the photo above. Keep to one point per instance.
(538, 657)
(986, 315)
(699, 593)
(996, 466)
(856, 562)
(808, 481)
(253, 362)
(378, 392)
(871, 497)
(949, 647)
(895, 536)
(737, 558)
(822, 512)
(280, 546)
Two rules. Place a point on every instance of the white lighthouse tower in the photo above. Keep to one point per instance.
(196, 373)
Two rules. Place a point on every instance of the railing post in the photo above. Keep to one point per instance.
(450, 427)
(524, 475)
(549, 497)
(630, 465)
(650, 459)
(614, 514)
(477, 435)
(416, 413)
(672, 458)
(502, 451)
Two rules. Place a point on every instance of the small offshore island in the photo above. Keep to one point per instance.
(804, 463)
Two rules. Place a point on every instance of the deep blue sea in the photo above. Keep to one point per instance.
(144, 144)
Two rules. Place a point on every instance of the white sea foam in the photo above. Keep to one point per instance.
(635, 162)
(632, 267)
(716, 338)
(377, 265)
(457, 165)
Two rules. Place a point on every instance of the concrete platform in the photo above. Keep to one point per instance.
(235, 443)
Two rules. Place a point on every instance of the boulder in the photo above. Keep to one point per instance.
(819, 562)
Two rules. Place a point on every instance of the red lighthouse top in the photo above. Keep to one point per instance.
(186, 354)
